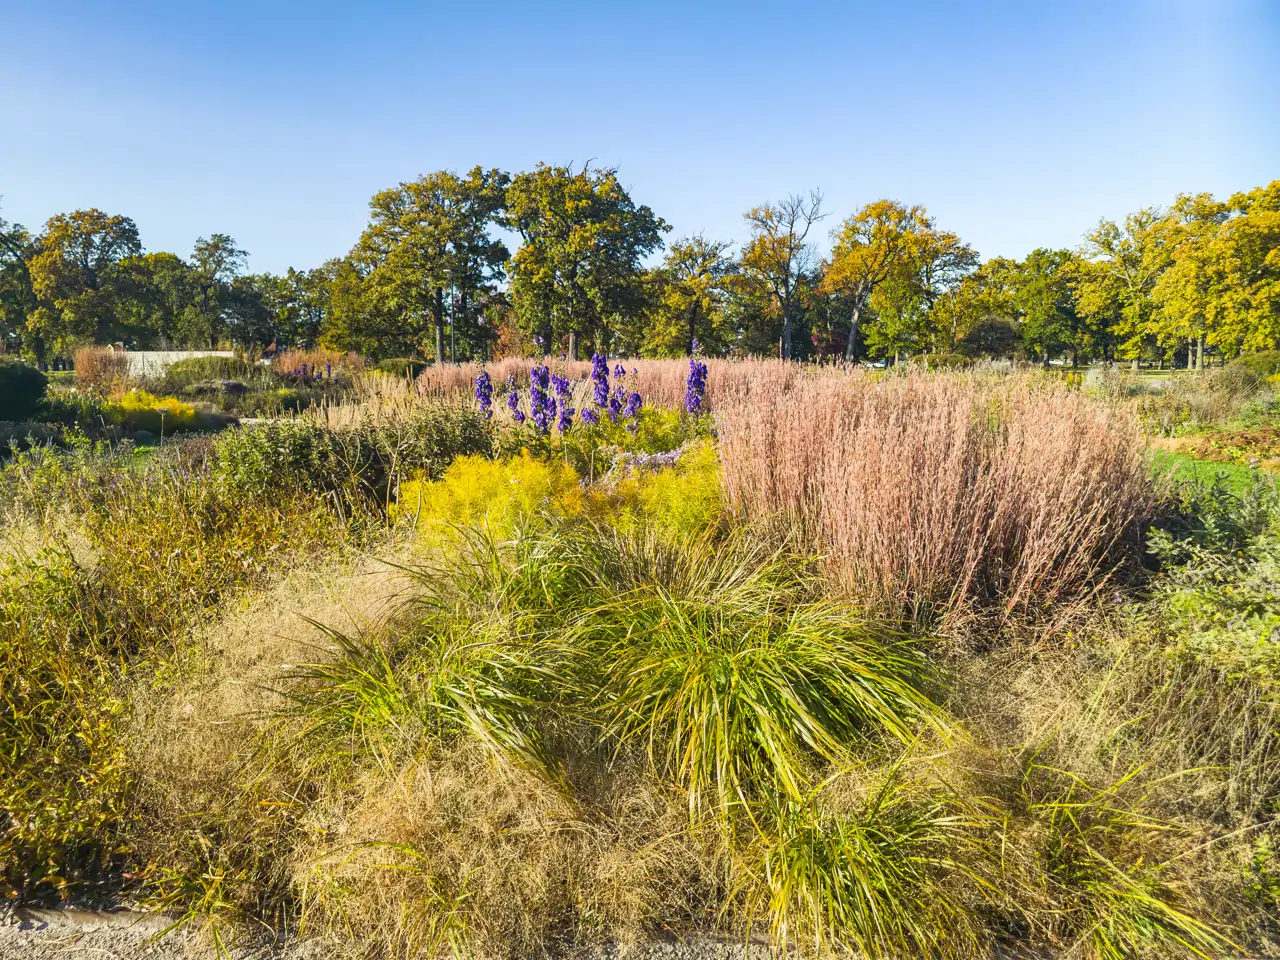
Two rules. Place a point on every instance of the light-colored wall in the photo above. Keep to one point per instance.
(152, 363)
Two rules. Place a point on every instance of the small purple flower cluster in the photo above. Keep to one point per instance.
(543, 407)
(310, 374)
(484, 393)
(564, 393)
(513, 400)
(695, 392)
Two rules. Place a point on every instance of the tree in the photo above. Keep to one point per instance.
(689, 298)
(215, 264)
(17, 295)
(425, 239)
(77, 276)
(778, 254)
(158, 290)
(1042, 290)
(1222, 287)
(869, 247)
(579, 265)
(1124, 263)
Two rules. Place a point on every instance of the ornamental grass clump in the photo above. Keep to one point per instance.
(940, 496)
(882, 879)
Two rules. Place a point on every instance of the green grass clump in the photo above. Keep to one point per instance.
(741, 691)
(1105, 888)
(876, 880)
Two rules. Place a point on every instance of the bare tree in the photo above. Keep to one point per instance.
(778, 252)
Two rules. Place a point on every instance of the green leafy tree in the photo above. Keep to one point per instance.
(215, 264)
(1043, 293)
(77, 277)
(1124, 263)
(427, 256)
(158, 290)
(1222, 287)
(17, 295)
(578, 268)
(689, 299)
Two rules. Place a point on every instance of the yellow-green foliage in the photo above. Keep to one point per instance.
(494, 494)
(139, 410)
(683, 500)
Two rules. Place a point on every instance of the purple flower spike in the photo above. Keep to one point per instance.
(696, 388)
(484, 393)
(541, 405)
(600, 379)
(589, 416)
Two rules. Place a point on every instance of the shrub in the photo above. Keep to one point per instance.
(1247, 374)
(498, 495)
(139, 410)
(183, 374)
(167, 546)
(402, 367)
(100, 368)
(73, 408)
(363, 465)
(22, 387)
(947, 361)
(679, 492)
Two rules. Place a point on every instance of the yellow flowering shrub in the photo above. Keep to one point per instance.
(683, 500)
(139, 410)
(498, 494)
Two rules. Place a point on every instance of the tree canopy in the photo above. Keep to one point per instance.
(431, 276)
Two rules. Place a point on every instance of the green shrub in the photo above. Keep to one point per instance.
(947, 361)
(182, 374)
(72, 408)
(22, 387)
(167, 547)
(402, 367)
(362, 465)
(1246, 374)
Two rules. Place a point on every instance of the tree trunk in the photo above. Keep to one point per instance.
(573, 345)
(439, 323)
(786, 331)
(1191, 355)
(1075, 358)
(1200, 355)
(854, 319)
(693, 325)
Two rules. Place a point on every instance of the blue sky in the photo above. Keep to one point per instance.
(1016, 124)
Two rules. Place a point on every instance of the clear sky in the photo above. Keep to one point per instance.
(1016, 124)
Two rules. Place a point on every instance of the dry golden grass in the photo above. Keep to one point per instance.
(939, 495)
(100, 368)
(451, 849)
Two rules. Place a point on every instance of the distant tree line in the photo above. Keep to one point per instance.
(431, 277)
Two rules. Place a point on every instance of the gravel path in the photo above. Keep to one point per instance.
(64, 934)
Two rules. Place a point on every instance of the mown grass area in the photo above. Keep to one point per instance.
(895, 665)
